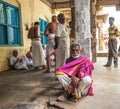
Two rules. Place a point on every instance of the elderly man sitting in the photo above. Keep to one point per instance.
(16, 62)
(76, 75)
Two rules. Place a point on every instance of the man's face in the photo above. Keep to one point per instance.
(54, 18)
(15, 53)
(61, 19)
(75, 52)
(111, 21)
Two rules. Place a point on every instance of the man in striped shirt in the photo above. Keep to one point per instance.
(112, 43)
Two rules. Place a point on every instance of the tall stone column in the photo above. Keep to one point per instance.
(72, 33)
(93, 30)
(82, 25)
(100, 38)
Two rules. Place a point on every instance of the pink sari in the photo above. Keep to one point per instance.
(82, 65)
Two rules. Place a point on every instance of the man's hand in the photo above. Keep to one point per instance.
(17, 60)
(70, 89)
(56, 42)
(75, 81)
(20, 60)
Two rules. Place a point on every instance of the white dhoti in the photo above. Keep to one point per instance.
(37, 53)
(63, 51)
(83, 88)
(21, 65)
(50, 43)
(28, 61)
(65, 80)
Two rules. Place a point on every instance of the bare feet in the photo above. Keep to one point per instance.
(47, 71)
(62, 98)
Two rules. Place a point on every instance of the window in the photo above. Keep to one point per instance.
(9, 25)
(43, 25)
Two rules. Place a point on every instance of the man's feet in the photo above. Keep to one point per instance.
(62, 98)
(109, 65)
(44, 66)
(47, 71)
(106, 65)
(39, 68)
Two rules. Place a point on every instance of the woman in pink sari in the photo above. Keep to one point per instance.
(76, 75)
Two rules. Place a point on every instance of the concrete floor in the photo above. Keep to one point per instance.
(34, 89)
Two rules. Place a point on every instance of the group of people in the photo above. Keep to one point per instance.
(58, 43)
(24, 62)
(73, 70)
(76, 74)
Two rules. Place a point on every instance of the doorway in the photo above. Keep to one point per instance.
(102, 31)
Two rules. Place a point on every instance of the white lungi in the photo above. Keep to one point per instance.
(28, 61)
(63, 50)
(50, 43)
(84, 84)
(37, 53)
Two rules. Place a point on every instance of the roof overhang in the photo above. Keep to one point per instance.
(57, 4)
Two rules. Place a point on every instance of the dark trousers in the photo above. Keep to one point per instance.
(112, 51)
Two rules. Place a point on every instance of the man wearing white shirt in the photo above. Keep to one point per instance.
(16, 62)
(63, 47)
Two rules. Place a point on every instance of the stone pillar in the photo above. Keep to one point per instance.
(93, 30)
(82, 25)
(100, 37)
(72, 33)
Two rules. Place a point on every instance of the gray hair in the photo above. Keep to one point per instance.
(74, 45)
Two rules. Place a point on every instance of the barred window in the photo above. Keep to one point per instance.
(9, 25)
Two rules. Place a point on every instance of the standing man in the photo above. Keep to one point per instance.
(50, 33)
(62, 42)
(37, 50)
(112, 43)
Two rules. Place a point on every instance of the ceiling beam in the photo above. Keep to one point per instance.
(57, 5)
(61, 5)
(108, 2)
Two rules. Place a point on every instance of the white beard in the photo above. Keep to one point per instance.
(75, 56)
